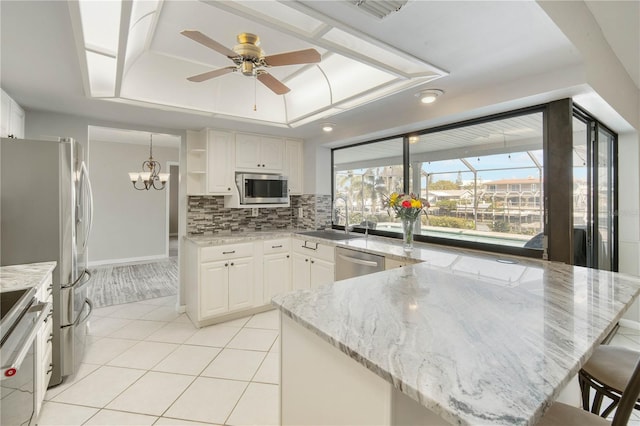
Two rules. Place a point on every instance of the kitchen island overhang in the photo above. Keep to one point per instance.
(477, 341)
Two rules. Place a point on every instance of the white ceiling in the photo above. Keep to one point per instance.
(481, 44)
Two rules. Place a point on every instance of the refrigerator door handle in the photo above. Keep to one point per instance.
(85, 179)
(81, 281)
(80, 320)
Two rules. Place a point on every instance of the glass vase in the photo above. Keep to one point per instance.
(408, 225)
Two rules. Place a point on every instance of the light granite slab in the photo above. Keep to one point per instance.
(16, 277)
(235, 237)
(476, 339)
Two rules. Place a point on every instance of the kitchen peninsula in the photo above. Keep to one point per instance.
(460, 338)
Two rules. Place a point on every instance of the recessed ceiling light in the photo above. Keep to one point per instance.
(429, 96)
(327, 127)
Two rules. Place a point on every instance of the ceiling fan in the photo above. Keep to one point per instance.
(249, 59)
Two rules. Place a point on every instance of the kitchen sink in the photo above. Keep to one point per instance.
(331, 235)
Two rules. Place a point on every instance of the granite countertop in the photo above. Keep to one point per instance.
(389, 247)
(473, 339)
(16, 277)
(236, 237)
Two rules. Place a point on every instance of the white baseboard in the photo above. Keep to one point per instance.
(635, 325)
(181, 309)
(127, 260)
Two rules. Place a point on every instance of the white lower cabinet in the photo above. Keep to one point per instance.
(276, 267)
(236, 279)
(214, 288)
(241, 280)
(313, 264)
(220, 280)
(44, 345)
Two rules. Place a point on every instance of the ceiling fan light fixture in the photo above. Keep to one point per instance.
(327, 127)
(429, 96)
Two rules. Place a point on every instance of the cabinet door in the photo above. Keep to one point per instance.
(248, 156)
(272, 154)
(277, 275)
(214, 285)
(293, 166)
(322, 272)
(219, 163)
(241, 280)
(300, 271)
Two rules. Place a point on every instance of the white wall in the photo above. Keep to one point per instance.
(129, 225)
(48, 125)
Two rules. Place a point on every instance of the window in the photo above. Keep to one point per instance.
(483, 195)
(484, 181)
(364, 175)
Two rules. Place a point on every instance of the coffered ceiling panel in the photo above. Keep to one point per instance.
(157, 60)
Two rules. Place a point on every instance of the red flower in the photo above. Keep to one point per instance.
(406, 204)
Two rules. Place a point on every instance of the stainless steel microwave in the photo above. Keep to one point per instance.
(262, 188)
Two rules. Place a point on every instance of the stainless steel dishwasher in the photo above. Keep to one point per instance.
(353, 263)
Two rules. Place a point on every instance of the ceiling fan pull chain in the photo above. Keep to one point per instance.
(255, 90)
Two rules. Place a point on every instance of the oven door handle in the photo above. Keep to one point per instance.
(14, 363)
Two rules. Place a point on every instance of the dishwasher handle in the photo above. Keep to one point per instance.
(358, 261)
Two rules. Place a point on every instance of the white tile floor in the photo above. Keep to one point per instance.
(148, 365)
(145, 364)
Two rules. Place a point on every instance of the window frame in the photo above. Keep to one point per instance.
(496, 248)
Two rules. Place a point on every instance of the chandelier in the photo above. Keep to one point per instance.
(150, 175)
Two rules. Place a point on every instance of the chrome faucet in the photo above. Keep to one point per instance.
(346, 211)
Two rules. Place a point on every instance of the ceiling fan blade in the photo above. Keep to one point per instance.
(211, 74)
(307, 56)
(208, 42)
(273, 83)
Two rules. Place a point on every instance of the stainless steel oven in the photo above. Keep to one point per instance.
(22, 318)
(262, 188)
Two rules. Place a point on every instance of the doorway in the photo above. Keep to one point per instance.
(172, 213)
(595, 195)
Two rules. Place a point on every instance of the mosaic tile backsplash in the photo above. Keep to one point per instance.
(207, 215)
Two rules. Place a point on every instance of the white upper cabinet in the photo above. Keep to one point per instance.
(256, 153)
(219, 162)
(12, 118)
(293, 166)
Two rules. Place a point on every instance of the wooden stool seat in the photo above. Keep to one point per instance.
(607, 371)
(565, 415)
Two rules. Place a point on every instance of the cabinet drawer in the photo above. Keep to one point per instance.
(314, 249)
(230, 251)
(277, 246)
(45, 337)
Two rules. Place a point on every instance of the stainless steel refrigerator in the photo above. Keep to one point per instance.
(46, 214)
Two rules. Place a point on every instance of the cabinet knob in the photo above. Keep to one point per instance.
(231, 263)
(306, 260)
(258, 165)
(313, 261)
(228, 189)
(226, 264)
(287, 256)
(263, 165)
